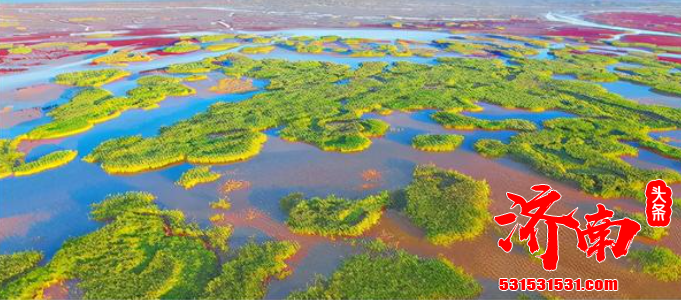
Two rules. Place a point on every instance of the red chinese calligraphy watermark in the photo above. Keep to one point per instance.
(592, 240)
(658, 203)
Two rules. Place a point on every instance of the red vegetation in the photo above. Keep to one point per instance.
(644, 21)
(653, 39)
(589, 34)
(671, 59)
(4, 71)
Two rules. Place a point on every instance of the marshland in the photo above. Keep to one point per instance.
(277, 164)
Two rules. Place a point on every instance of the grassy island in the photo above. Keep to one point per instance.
(215, 38)
(145, 252)
(383, 273)
(257, 49)
(222, 47)
(203, 66)
(490, 148)
(182, 47)
(197, 175)
(456, 121)
(245, 277)
(122, 58)
(437, 142)
(91, 78)
(660, 262)
(450, 206)
(333, 216)
(13, 161)
(95, 105)
(49, 161)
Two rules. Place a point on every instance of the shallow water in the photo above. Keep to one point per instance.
(636, 92)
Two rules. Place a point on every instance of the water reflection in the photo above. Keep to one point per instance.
(636, 92)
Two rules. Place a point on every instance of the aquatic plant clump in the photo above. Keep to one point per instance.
(95, 105)
(122, 58)
(178, 265)
(245, 276)
(197, 175)
(9, 156)
(383, 273)
(333, 216)
(588, 152)
(257, 49)
(182, 47)
(451, 120)
(490, 148)
(222, 47)
(12, 161)
(450, 206)
(91, 78)
(437, 142)
(49, 161)
(660, 262)
(145, 154)
(145, 252)
(655, 233)
(203, 66)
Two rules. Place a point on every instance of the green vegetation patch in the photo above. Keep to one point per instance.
(145, 252)
(257, 49)
(91, 78)
(12, 161)
(182, 47)
(333, 216)
(655, 233)
(20, 50)
(197, 175)
(215, 38)
(148, 154)
(490, 148)
(49, 161)
(203, 66)
(437, 142)
(122, 58)
(452, 120)
(587, 152)
(245, 277)
(450, 206)
(660, 262)
(95, 105)
(222, 47)
(9, 156)
(383, 273)
(14, 265)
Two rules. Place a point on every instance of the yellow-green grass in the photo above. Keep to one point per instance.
(197, 175)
